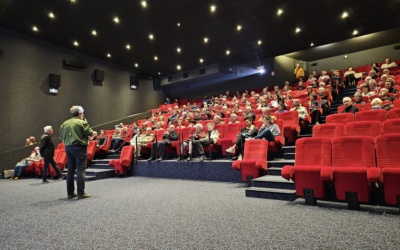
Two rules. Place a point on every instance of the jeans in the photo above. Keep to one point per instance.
(266, 134)
(161, 149)
(19, 168)
(47, 162)
(77, 160)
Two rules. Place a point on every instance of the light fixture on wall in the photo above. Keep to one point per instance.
(54, 83)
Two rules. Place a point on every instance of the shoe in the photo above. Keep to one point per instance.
(201, 158)
(84, 196)
(150, 159)
(62, 177)
(240, 157)
(16, 178)
(231, 150)
(189, 158)
(72, 196)
(12, 178)
(180, 159)
(47, 181)
(160, 159)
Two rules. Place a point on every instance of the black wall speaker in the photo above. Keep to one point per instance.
(156, 83)
(99, 75)
(134, 82)
(54, 80)
(74, 64)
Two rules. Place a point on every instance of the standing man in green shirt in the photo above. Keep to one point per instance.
(74, 132)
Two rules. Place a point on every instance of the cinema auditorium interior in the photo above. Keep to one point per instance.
(221, 124)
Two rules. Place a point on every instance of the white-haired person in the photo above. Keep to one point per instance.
(349, 107)
(47, 152)
(21, 165)
(303, 113)
(233, 119)
(376, 103)
(210, 137)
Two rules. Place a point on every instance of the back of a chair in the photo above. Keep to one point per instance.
(231, 130)
(394, 113)
(289, 118)
(91, 149)
(388, 151)
(328, 130)
(353, 151)
(363, 128)
(391, 126)
(313, 152)
(371, 115)
(340, 118)
(126, 156)
(256, 149)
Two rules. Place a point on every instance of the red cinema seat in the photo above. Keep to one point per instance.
(102, 150)
(61, 160)
(184, 135)
(254, 162)
(216, 148)
(123, 164)
(388, 167)
(396, 103)
(394, 114)
(312, 154)
(352, 156)
(329, 130)
(363, 128)
(371, 115)
(276, 146)
(231, 132)
(91, 151)
(342, 107)
(60, 146)
(291, 126)
(340, 118)
(391, 126)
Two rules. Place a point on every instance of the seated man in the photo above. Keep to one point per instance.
(303, 113)
(358, 98)
(116, 138)
(21, 165)
(101, 139)
(349, 107)
(169, 136)
(389, 83)
(248, 132)
(200, 138)
(140, 140)
(383, 95)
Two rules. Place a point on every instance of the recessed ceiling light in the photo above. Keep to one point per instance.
(280, 12)
(144, 4)
(298, 30)
(116, 19)
(355, 32)
(178, 24)
(213, 8)
(128, 47)
(159, 73)
(205, 39)
(259, 42)
(51, 15)
(155, 58)
(178, 67)
(345, 14)
(136, 65)
(94, 33)
(72, 1)
(312, 44)
(238, 28)
(178, 50)
(227, 52)
(34, 28)
(109, 55)
(201, 60)
(76, 44)
(151, 36)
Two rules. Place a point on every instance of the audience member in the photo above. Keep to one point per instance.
(350, 76)
(349, 107)
(298, 72)
(247, 132)
(203, 139)
(376, 104)
(389, 83)
(268, 130)
(375, 66)
(388, 64)
(21, 165)
(169, 136)
(47, 152)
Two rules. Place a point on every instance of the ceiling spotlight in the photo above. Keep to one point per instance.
(144, 4)
(355, 32)
(238, 28)
(259, 42)
(213, 8)
(178, 67)
(128, 47)
(94, 33)
(280, 12)
(205, 39)
(159, 73)
(345, 14)
(227, 52)
(76, 44)
(201, 60)
(151, 37)
(34, 28)
(298, 30)
(178, 24)
(51, 15)
(155, 58)
(72, 1)
(136, 65)
(312, 44)
(178, 50)
(109, 55)
(116, 20)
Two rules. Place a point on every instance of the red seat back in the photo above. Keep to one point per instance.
(256, 149)
(353, 151)
(391, 126)
(231, 130)
(388, 151)
(394, 113)
(313, 152)
(126, 156)
(340, 118)
(329, 130)
(91, 149)
(289, 118)
(363, 128)
(371, 115)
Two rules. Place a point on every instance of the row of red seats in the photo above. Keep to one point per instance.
(368, 115)
(351, 163)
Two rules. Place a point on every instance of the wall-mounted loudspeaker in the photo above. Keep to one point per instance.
(99, 75)
(54, 80)
(156, 83)
(74, 64)
(134, 82)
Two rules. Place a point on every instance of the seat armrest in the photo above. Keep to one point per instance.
(327, 174)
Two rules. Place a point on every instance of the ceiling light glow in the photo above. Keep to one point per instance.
(201, 60)
(116, 19)
(259, 42)
(136, 65)
(213, 8)
(34, 28)
(227, 52)
(280, 12)
(312, 44)
(155, 58)
(238, 28)
(298, 30)
(151, 36)
(178, 67)
(355, 32)
(51, 15)
(128, 47)
(94, 33)
(109, 55)
(144, 4)
(178, 50)
(76, 44)
(345, 14)
(205, 39)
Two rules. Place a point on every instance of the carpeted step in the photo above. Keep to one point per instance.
(279, 163)
(271, 193)
(289, 149)
(274, 171)
(100, 173)
(304, 136)
(272, 181)
(289, 156)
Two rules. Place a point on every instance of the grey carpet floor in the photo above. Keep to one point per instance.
(147, 213)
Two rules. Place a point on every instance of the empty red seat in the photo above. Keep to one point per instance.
(371, 115)
(231, 132)
(394, 114)
(312, 154)
(123, 164)
(391, 126)
(254, 162)
(329, 130)
(291, 126)
(363, 128)
(352, 156)
(396, 103)
(61, 160)
(388, 167)
(340, 118)
(91, 151)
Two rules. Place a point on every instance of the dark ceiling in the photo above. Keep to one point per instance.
(320, 22)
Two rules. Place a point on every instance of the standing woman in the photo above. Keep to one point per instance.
(298, 72)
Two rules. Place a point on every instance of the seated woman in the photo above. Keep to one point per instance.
(303, 113)
(21, 165)
(376, 104)
(281, 109)
(315, 114)
(247, 132)
(350, 76)
(268, 129)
